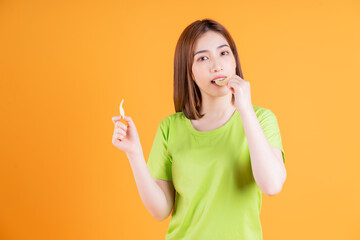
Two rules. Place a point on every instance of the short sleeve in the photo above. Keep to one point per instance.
(159, 161)
(270, 126)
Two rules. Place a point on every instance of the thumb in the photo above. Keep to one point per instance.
(129, 121)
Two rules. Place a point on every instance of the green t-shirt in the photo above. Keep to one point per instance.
(216, 194)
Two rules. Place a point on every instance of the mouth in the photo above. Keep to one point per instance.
(221, 81)
(215, 84)
(218, 78)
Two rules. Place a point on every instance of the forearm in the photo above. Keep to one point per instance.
(267, 170)
(150, 192)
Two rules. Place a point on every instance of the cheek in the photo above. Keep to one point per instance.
(234, 62)
(197, 72)
(194, 70)
(201, 69)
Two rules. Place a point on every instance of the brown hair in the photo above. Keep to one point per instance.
(187, 95)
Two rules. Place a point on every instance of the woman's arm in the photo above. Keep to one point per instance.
(157, 198)
(269, 171)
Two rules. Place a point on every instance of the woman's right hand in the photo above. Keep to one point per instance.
(126, 138)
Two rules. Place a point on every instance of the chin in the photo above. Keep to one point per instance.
(222, 94)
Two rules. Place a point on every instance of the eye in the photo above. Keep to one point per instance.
(200, 59)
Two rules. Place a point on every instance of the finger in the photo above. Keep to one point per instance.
(123, 127)
(116, 118)
(231, 87)
(238, 77)
(129, 121)
(120, 131)
(235, 80)
(119, 136)
(233, 83)
(115, 141)
(120, 125)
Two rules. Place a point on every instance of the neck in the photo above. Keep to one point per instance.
(216, 107)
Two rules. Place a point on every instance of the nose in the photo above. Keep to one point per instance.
(216, 66)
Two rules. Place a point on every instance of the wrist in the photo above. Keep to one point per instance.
(137, 153)
(245, 109)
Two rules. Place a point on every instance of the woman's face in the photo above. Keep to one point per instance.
(213, 57)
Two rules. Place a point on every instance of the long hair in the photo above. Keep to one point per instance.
(187, 95)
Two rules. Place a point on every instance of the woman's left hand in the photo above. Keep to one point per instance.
(241, 90)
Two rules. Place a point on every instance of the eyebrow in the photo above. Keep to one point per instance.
(224, 45)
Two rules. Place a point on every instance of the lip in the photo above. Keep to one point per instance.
(218, 77)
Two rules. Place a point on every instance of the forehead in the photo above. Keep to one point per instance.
(209, 39)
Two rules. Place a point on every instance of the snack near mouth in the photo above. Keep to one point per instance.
(221, 81)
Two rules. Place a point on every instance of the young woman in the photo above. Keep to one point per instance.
(212, 159)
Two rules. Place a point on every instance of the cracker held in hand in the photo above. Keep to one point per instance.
(122, 113)
(222, 81)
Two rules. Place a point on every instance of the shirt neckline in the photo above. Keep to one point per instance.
(234, 116)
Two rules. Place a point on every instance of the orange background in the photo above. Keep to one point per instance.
(65, 66)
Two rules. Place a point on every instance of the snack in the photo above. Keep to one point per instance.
(122, 113)
(222, 81)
